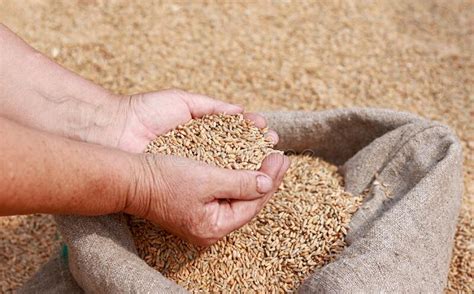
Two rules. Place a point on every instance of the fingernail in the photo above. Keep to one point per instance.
(264, 184)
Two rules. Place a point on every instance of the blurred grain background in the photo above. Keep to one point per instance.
(413, 56)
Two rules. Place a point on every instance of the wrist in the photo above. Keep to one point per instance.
(144, 189)
(100, 123)
(60, 176)
(38, 93)
(120, 176)
(75, 118)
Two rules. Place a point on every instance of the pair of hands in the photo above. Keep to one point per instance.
(196, 201)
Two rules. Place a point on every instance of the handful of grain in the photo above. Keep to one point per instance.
(301, 228)
(228, 141)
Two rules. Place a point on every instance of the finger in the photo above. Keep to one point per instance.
(239, 184)
(236, 213)
(258, 120)
(283, 169)
(272, 164)
(200, 105)
(273, 136)
(277, 181)
(242, 184)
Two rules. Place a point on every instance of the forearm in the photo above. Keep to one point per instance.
(43, 173)
(38, 93)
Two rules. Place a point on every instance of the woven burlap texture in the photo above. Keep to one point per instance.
(400, 239)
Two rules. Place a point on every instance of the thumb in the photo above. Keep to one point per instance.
(240, 184)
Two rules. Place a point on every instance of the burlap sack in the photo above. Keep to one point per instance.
(400, 240)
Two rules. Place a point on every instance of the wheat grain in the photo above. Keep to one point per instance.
(300, 229)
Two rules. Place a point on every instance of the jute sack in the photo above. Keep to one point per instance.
(400, 239)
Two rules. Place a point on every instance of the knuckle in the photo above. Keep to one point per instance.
(214, 231)
(204, 231)
(244, 185)
(192, 226)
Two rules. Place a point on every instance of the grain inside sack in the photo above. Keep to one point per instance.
(301, 229)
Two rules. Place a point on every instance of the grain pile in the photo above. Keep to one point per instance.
(300, 229)
(409, 55)
(26, 242)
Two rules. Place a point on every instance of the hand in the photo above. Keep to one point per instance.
(193, 200)
(198, 202)
(60, 102)
(144, 116)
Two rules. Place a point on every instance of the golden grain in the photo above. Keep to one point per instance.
(300, 229)
(292, 71)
